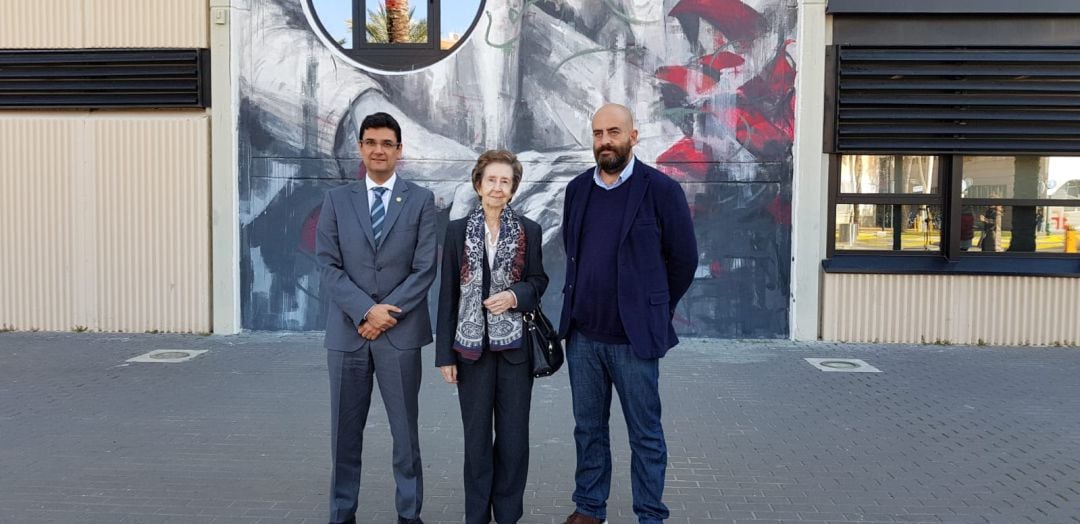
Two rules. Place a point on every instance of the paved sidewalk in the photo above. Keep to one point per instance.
(755, 434)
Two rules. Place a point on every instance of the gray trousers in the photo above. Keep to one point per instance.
(352, 376)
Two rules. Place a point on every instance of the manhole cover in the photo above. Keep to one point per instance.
(839, 364)
(168, 356)
(847, 365)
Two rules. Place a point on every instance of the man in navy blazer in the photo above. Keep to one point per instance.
(376, 247)
(630, 256)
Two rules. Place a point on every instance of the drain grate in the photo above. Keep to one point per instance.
(168, 356)
(842, 365)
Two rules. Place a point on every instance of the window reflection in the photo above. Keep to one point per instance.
(889, 174)
(1021, 177)
(888, 227)
(1021, 229)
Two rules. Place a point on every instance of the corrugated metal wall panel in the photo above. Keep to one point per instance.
(153, 224)
(48, 24)
(37, 163)
(41, 24)
(954, 309)
(147, 23)
(113, 225)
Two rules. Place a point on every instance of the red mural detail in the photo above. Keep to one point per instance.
(308, 231)
(687, 159)
(721, 60)
(775, 81)
(715, 269)
(689, 80)
(780, 211)
(765, 118)
(758, 134)
(736, 20)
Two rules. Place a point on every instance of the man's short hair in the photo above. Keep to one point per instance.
(379, 120)
(497, 156)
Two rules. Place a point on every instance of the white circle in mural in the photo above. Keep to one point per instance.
(393, 36)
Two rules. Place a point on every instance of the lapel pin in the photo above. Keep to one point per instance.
(398, 199)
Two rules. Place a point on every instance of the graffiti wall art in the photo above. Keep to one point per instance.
(711, 84)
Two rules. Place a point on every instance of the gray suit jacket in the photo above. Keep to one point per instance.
(357, 274)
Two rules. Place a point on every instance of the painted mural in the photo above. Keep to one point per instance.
(711, 84)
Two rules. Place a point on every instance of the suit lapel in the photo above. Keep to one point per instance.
(363, 211)
(639, 184)
(398, 198)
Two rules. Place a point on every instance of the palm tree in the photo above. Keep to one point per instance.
(378, 26)
(398, 16)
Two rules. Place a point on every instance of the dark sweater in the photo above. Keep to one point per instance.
(596, 301)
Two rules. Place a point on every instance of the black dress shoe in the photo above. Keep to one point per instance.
(403, 520)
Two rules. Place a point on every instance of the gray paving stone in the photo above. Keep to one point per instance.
(241, 434)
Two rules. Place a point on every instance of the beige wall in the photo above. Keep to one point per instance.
(106, 220)
(953, 309)
(103, 23)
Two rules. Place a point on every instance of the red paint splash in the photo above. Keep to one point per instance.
(691, 81)
(719, 61)
(758, 134)
(736, 20)
(688, 160)
(780, 211)
(715, 269)
(308, 231)
(775, 81)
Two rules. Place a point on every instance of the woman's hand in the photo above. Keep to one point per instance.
(500, 302)
(449, 373)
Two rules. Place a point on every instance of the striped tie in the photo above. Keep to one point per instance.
(378, 213)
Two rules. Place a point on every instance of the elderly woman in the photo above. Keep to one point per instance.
(492, 272)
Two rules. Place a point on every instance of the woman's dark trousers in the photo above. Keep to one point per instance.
(495, 396)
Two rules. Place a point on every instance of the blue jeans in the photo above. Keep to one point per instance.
(594, 368)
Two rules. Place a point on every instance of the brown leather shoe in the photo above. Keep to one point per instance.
(578, 518)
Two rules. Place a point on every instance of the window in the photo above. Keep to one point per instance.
(954, 158)
(955, 205)
(889, 203)
(393, 35)
(1021, 204)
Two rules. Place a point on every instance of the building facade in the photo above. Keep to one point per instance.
(949, 185)
(857, 170)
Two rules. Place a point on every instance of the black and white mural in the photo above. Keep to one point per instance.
(711, 84)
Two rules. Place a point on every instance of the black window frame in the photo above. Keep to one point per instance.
(836, 198)
(950, 170)
(395, 57)
(359, 33)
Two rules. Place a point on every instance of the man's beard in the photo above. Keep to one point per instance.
(616, 162)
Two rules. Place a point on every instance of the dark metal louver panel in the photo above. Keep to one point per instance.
(972, 100)
(103, 78)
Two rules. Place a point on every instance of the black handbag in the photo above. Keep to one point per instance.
(543, 344)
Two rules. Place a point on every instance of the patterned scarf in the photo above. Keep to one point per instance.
(503, 330)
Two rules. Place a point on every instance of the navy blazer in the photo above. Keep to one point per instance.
(657, 256)
(528, 290)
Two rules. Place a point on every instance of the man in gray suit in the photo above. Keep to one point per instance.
(377, 251)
